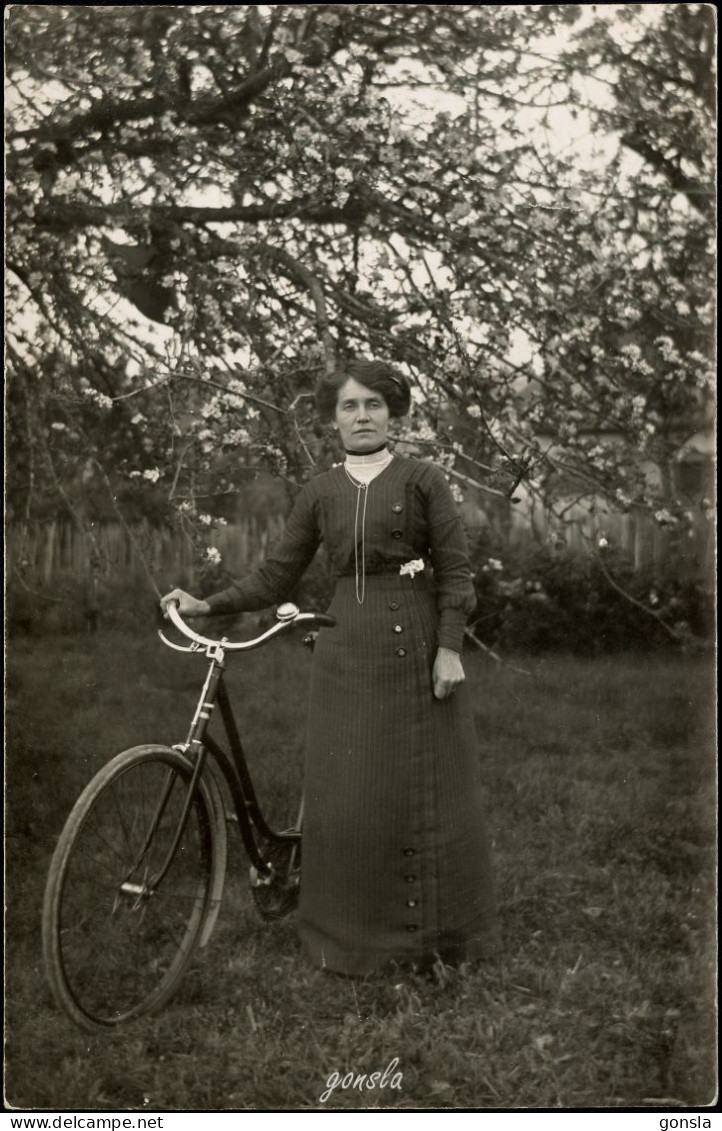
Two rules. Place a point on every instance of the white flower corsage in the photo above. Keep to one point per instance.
(410, 569)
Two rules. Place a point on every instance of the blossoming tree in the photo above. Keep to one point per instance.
(209, 205)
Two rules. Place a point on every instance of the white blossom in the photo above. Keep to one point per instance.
(629, 314)
(100, 399)
(409, 569)
(633, 352)
(667, 349)
(236, 437)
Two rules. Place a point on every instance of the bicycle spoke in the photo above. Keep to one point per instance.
(121, 817)
(122, 919)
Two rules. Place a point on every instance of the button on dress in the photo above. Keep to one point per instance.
(392, 777)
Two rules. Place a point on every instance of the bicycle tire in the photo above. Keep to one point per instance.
(112, 955)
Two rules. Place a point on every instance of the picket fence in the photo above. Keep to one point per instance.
(50, 550)
(145, 553)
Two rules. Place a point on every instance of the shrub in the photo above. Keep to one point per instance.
(556, 601)
(546, 602)
(69, 605)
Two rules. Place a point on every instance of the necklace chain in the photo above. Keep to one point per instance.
(361, 488)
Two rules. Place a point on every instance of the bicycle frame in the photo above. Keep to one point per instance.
(233, 767)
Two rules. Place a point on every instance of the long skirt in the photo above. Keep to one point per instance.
(395, 852)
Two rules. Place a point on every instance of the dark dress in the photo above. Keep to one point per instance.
(395, 853)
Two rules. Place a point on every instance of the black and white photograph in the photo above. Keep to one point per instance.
(360, 561)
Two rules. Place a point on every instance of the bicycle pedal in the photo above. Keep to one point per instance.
(257, 880)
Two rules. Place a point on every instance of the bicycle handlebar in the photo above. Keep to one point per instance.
(286, 614)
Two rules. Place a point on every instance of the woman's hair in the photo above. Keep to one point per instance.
(376, 375)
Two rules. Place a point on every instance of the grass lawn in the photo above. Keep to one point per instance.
(601, 791)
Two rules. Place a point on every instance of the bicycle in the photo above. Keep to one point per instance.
(136, 880)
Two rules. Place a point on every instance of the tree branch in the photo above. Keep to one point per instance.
(301, 274)
(679, 180)
(128, 530)
(497, 659)
(63, 214)
(110, 112)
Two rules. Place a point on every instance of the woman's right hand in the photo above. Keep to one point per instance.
(187, 606)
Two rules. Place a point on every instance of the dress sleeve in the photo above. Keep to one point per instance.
(282, 568)
(456, 598)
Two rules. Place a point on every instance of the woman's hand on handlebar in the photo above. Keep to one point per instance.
(187, 606)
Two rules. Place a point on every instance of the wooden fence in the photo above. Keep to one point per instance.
(139, 553)
(51, 550)
(683, 551)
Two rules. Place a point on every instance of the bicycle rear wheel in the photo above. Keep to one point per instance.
(115, 944)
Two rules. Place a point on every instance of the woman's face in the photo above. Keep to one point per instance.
(362, 417)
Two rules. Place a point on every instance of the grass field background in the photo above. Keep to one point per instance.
(601, 794)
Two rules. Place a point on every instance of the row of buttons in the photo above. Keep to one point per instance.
(395, 606)
(397, 509)
(410, 878)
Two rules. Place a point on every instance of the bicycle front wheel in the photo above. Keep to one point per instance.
(116, 939)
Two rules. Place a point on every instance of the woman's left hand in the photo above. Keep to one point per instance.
(447, 674)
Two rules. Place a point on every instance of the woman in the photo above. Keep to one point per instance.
(395, 856)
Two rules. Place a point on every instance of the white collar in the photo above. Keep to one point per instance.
(364, 468)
